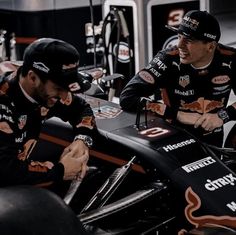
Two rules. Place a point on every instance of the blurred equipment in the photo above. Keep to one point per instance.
(146, 22)
(2, 45)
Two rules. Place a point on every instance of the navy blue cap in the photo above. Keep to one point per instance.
(57, 61)
(199, 25)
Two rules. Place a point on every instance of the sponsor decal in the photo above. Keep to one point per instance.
(222, 92)
(87, 122)
(21, 138)
(213, 185)
(198, 164)
(194, 203)
(190, 23)
(184, 80)
(41, 66)
(147, 77)
(232, 206)
(213, 104)
(6, 117)
(176, 64)
(159, 63)
(220, 79)
(123, 53)
(156, 108)
(227, 64)
(67, 100)
(211, 36)
(221, 88)
(181, 144)
(153, 132)
(22, 121)
(156, 73)
(184, 93)
(106, 111)
(36, 166)
(4, 107)
(201, 105)
(197, 105)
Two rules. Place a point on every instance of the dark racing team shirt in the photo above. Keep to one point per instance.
(187, 89)
(20, 125)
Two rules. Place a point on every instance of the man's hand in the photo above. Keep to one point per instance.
(209, 121)
(75, 158)
(188, 118)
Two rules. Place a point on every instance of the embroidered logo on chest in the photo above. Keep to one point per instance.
(184, 80)
(22, 121)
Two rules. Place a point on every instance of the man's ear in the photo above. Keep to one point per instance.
(33, 78)
(212, 46)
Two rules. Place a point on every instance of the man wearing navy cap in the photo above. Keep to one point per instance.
(41, 88)
(196, 78)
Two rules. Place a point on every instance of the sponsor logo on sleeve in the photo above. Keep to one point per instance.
(160, 64)
(220, 79)
(147, 77)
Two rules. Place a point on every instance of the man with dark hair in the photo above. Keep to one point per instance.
(42, 88)
(196, 78)
(28, 210)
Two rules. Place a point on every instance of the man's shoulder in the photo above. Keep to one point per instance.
(170, 53)
(226, 50)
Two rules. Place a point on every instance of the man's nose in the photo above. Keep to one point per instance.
(181, 42)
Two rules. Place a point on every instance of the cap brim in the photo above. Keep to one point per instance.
(73, 81)
(174, 29)
(78, 84)
(180, 31)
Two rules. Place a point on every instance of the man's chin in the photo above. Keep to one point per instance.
(184, 61)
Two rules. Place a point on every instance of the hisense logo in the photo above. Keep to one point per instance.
(171, 147)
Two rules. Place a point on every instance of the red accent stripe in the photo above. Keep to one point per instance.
(25, 40)
(94, 153)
